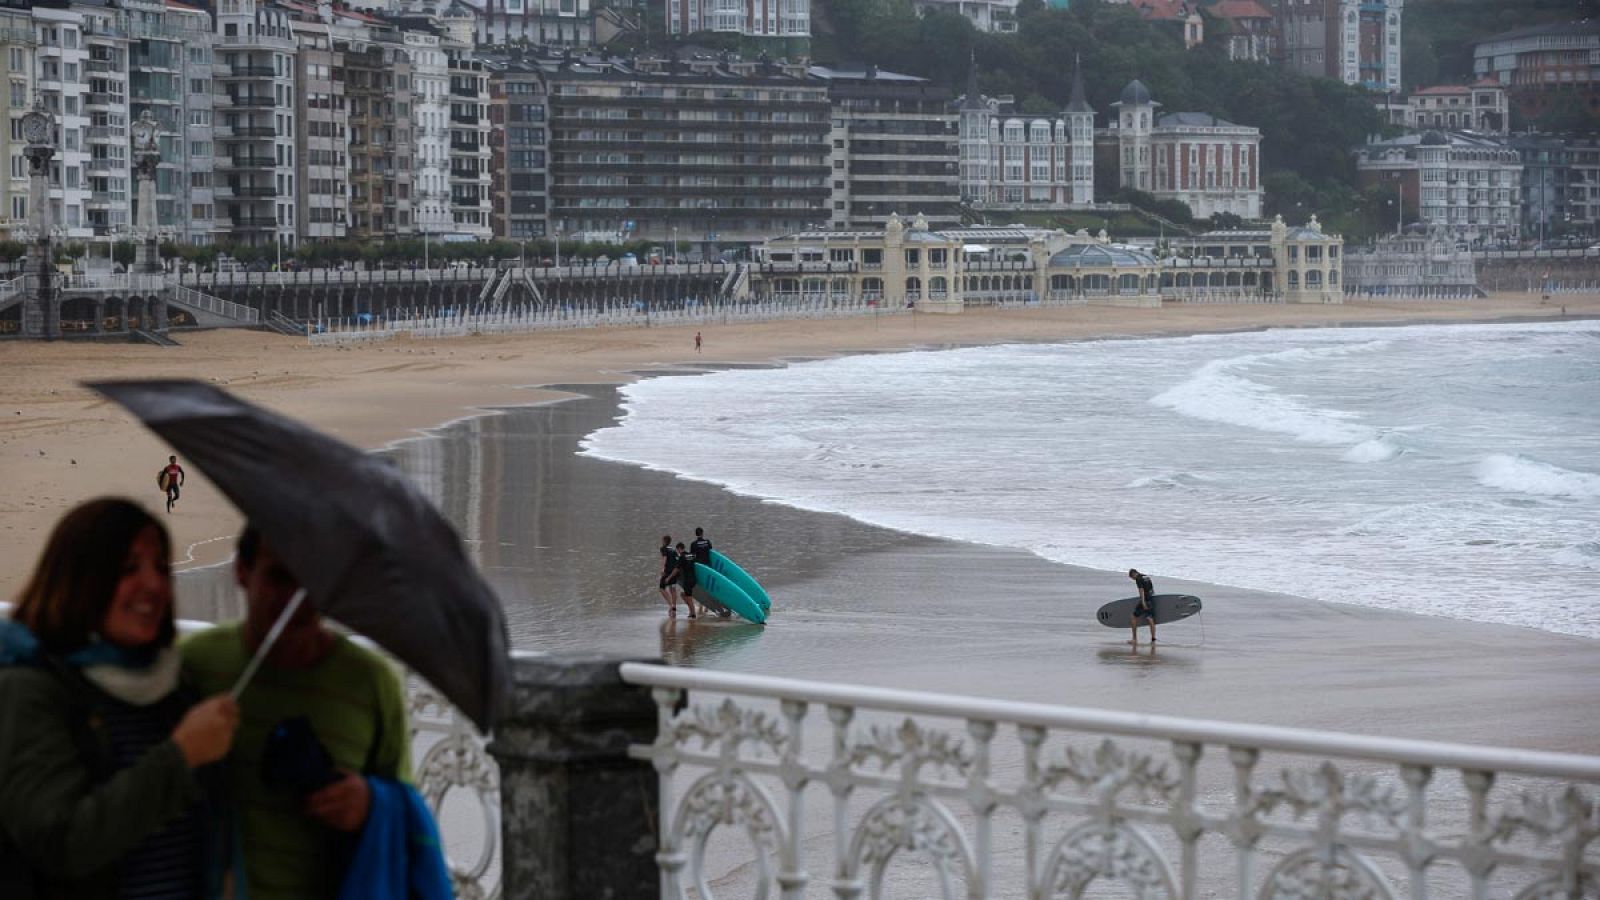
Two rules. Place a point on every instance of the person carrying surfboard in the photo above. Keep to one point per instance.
(700, 548)
(669, 575)
(686, 577)
(1146, 608)
(171, 479)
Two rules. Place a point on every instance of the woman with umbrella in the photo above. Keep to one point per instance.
(101, 749)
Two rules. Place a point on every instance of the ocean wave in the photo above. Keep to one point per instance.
(1586, 556)
(1527, 476)
(1216, 394)
(1184, 480)
(1376, 450)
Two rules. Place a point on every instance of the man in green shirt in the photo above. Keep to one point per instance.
(297, 846)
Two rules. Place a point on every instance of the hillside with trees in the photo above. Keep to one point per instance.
(1308, 125)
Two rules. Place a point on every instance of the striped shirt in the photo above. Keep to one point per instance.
(166, 864)
(354, 701)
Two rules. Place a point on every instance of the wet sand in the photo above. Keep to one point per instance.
(570, 543)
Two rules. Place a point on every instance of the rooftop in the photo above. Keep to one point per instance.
(1239, 9)
(1101, 255)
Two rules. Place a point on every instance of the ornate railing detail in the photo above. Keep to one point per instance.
(448, 756)
(1105, 799)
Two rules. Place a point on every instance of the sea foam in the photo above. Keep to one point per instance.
(1527, 476)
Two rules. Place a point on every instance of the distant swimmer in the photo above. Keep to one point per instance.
(172, 479)
(1146, 608)
(669, 575)
(686, 580)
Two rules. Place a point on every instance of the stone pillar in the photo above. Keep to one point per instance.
(578, 816)
(147, 256)
(41, 317)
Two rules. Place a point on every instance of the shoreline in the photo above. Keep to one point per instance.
(68, 444)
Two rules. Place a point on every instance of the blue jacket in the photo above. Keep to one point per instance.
(399, 856)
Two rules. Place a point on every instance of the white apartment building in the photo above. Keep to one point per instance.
(1469, 185)
(548, 23)
(751, 18)
(257, 103)
(430, 110)
(998, 16)
(83, 196)
(322, 135)
(18, 42)
(1013, 160)
(469, 174)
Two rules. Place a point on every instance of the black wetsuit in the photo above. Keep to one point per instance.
(701, 548)
(1146, 607)
(686, 579)
(669, 569)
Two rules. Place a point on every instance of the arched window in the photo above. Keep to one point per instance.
(913, 287)
(937, 285)
(1314, 278)
(1062, 283)
(1128, 284)
(1294, 279)
(1333, 277)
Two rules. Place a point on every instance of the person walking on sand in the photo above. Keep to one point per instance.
(174, 476)
(686, 580)
(697, 342)
(669, 575)
(1145, 609)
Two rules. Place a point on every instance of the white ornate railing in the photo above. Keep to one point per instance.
(1027, 800)
(215, 305)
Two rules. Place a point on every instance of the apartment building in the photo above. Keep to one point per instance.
(171, 74)
(18, 43)
(1012, 160)
(1477, 107)
(788, 19)
(1355, 41)
(1469, 185)
(895, 148)
(82, 196)
(519, 140)
(543, 23)
(1560, 184)
(1541, 64)
(322, 136)
(257, 105)
(997, 16)
(1209, 164)
(470, 178)
(704, 152)
(430, 119)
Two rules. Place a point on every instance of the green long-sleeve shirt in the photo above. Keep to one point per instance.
(354, 701)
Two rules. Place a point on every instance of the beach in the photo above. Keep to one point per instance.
(490, 429)
(569, 540)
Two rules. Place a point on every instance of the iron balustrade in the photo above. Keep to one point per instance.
(1093, 796)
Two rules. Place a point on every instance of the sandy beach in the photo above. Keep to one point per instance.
(60, 443)
(568, 540)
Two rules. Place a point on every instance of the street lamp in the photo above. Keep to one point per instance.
(674, 243)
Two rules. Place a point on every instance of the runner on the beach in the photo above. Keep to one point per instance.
(1145, 609)
(174, 473)
(686, 580)
(669, 575)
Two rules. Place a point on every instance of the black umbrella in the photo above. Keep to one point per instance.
(369, 549)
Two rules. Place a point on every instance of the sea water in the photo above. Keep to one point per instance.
(1451, 470)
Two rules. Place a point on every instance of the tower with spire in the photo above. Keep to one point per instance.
(1080, 132)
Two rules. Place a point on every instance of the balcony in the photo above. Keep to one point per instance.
(104, 165)
(254, 190)
(467, 146)
(253, 131)
(255, 222)
(247, 102)
(104, 132)
(253, 162)
(251, 72)
(465, 119)
(103, 66)
(92, 100)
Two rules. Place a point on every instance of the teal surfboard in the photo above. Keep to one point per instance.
(730, 570)
(723, 590)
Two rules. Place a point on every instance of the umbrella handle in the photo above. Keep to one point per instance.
(273, 634)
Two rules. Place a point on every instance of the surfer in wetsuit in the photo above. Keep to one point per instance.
(669, 574)
(1145, 609)
(686, 577)
(174, 474)
(700, 548)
